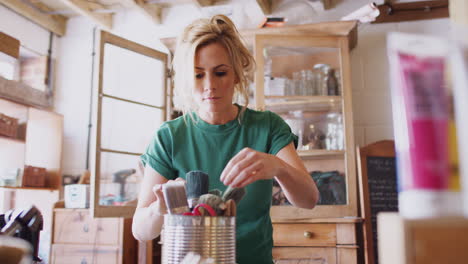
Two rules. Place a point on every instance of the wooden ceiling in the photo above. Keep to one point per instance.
(53, 14)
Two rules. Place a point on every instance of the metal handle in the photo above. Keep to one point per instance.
(308, 234)
(85, 228)
(83, 261)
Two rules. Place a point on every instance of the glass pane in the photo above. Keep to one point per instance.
(119, 179)
(321, 145)
(330, 178)
(127, 126)
(303, 86)
(316, 130)
(296, 71)
(133, 76)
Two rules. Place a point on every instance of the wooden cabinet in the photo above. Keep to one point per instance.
(79, 238)
(321, 240)
(293, 69)
(303, 75)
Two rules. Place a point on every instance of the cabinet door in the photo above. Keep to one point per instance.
(306, 80)
(131, 104)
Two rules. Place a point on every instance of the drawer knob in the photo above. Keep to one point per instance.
(308, 234)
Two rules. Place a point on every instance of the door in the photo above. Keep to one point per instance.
(131, 103)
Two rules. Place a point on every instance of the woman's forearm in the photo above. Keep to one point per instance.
(147, 222)
(297, 185)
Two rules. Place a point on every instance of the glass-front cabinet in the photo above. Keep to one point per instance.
(305, 78)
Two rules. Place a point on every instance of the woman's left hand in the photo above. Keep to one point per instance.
(249, 166)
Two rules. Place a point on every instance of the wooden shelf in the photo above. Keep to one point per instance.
(318, 220)
(317, 153)
(13, 139)
(305, 98)
(304, 103)
(30, 188)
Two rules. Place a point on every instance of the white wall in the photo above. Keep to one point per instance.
(29, 34)
(370, 78)
(35, 39)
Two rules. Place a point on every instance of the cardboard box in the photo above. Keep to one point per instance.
(438, 240)
(34, 176)
(8, 126)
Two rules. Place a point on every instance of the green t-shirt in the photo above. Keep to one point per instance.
(180, 146)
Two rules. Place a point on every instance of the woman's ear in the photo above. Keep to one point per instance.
(236, 79)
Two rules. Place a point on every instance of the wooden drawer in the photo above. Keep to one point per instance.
(85, 254)
(75, 226)
(304, 255)
(304, 235)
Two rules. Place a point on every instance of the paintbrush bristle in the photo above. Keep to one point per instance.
(216, 202)
(175, 197)
(197, 184)
(235, 194)
(216, 192)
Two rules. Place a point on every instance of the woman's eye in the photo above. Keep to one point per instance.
(220, 74)
(199, 75)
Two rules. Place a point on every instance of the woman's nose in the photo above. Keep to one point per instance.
(209, 83)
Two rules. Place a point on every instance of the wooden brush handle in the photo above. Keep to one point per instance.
(230, 208)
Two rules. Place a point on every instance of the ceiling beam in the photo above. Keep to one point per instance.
(327, 4)
(152, 11)
(9, 45)
(85, 8)
(53, 23)
(203, 3)
(266, 6)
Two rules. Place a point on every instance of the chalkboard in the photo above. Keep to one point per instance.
(378, 190)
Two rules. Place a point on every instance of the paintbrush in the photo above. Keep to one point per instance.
(235, 194)
(197, 184)
(216, 202)
(175, 197)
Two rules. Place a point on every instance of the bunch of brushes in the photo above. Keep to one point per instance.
(193, 197)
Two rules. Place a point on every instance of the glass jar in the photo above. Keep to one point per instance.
(332, 83)
(295, 120)
(321, 71)
(334, 139)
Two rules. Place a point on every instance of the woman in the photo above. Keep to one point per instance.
(234, 145)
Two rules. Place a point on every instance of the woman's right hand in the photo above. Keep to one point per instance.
(160, 204)
(148, 218)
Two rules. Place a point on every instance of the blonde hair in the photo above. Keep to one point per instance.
(201, 32)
